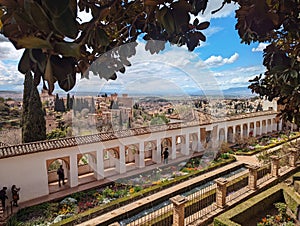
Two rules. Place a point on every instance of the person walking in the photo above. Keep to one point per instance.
(15, 194)
(61, 175)
(3, 197)
(166, 155)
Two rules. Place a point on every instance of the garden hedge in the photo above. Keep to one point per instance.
(259, 203)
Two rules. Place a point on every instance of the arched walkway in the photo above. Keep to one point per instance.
(252, 132)
(87, 168)
(222, 135)
(245, 130)
(111, 161)
(52, 167)
(264, 127)
(193, 138)
(180, 144)
(230, 138)
(258, 128)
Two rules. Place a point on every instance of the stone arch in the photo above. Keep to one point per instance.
(88, 154)
(230, 138)
(275, 127)
(238, 131)
(245, 130)
(269, 125)
(150, 147)
(180, 143)
(222, 135)
(167, 143)
(251, 130)
(52, 174)
(87, 167)
(258, 128)
(114, 152)
(131, 151)
(193, 138)
(264, 127)
(65, 160)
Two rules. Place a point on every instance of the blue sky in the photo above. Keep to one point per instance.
(220, 63)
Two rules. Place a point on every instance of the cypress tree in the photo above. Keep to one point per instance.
(28, 81)
(68, 102)
(34, 127)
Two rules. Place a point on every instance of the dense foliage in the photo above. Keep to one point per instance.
(56, 52)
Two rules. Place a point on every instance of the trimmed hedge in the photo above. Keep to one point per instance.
(257, 204)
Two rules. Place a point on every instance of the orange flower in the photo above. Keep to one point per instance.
(264, 220)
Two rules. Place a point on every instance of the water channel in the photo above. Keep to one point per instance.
(191, 190)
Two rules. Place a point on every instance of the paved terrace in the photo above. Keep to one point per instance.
(29, 148)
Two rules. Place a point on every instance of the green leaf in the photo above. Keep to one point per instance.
(67, 18)
(49, 76)
(68, 49)
(37, 15)
(31, 42)
(24, 63)
(203, 25)
(56, 7)
(68, 82)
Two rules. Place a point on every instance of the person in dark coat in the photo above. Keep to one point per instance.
(15, 194)
(166, 155)
(61, 175)
(3, 197)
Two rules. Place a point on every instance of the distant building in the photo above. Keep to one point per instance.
(47, 98)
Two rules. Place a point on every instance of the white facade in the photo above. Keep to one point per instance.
(111, 153)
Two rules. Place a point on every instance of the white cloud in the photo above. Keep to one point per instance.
(260, 47)
(216, 61)
(213, 5)
(238, 77)
(8, 51)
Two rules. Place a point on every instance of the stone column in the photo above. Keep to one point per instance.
(73, 178)
(121, 166)
(275, 166)
(178, 210)
(254, 130)
(225, 134)
(141, 155)
(221, 192)
(252, 179)
(100, 164)
(280, 125)
(259, 129)
(158, 153)
(292, 157)
(186, 150)
(233, 133)
(173, 152)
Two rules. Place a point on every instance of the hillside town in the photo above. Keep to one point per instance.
(84, 115)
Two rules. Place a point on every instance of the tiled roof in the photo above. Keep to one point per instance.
(27, 148)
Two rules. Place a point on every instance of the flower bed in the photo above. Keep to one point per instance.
(87, 204)
(282, 218)
(263, 143)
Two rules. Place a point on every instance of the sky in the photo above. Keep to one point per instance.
(220, 63)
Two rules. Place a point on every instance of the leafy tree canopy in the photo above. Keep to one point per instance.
(58, 45)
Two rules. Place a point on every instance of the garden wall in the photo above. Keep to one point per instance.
(258, 205)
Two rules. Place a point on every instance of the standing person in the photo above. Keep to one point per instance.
(3, 197)
(166, 155)
(61, 175)
(15, 194)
